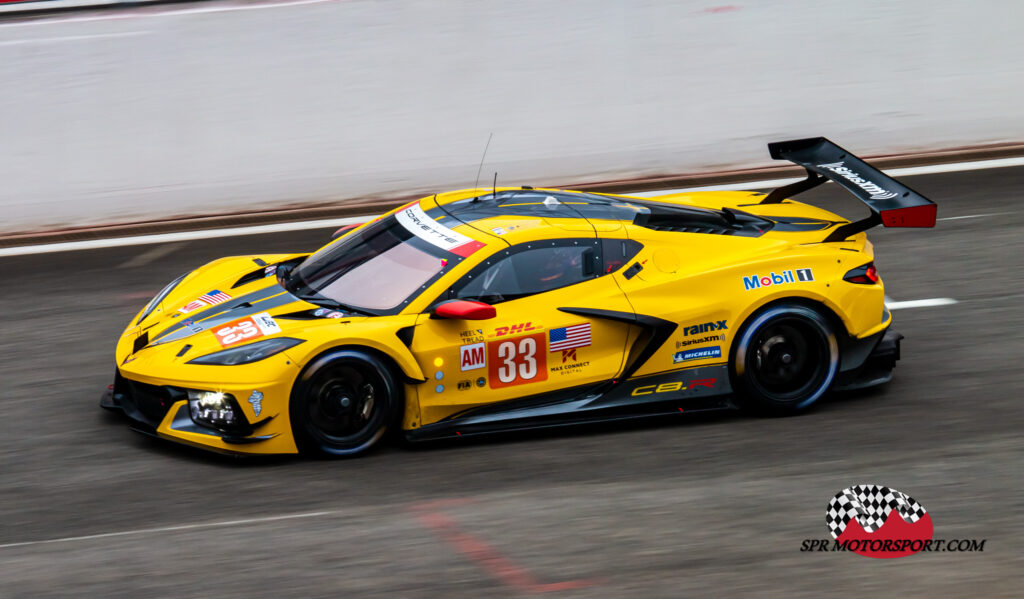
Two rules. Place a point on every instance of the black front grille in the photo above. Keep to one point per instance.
(144, 403)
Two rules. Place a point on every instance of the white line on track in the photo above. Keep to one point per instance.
(921, 303)
(161, 529)
(149, 256)
(93, 244)
(70, 38)
(338, 222)
(974, 216)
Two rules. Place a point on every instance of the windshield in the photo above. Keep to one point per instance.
(377, 270)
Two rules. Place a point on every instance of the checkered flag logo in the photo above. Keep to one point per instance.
(871, 506)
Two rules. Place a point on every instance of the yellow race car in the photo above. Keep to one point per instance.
(500, 309)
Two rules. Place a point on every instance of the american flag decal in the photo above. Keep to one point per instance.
(214, 297)
(207, 299)
(578, 335)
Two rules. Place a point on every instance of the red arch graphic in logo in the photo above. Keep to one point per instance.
(879, 522)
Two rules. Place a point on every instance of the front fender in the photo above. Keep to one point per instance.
(380, 336)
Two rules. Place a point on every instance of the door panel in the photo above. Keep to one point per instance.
(529, 348)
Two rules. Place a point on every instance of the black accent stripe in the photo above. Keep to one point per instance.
(235, 312)
(255, 296)
(656, 332)
(530, 402)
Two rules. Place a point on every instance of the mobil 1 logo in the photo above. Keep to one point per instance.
(786, 276)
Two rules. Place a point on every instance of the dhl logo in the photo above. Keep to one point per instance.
(514, 329)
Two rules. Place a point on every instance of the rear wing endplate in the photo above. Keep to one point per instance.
(892, 204)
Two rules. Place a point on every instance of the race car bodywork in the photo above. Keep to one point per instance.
(498, 309)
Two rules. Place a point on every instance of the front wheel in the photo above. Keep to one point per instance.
(343, 403)
(785, 359)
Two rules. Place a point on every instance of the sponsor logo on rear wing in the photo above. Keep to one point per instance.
(877, 192)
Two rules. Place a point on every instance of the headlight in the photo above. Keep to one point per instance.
(212, 408)
(247, 353)
(153, 303)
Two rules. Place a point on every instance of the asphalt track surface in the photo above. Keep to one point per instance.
(687, 506)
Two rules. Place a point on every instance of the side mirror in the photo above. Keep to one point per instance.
(282, 272)
(463, 310)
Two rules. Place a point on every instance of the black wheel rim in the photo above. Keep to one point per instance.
(345, 403)
(788, 358)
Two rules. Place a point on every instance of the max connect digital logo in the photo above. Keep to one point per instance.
(882, 522)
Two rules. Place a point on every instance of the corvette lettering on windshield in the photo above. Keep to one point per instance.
(419, 224)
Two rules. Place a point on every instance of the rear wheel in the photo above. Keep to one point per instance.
(343, 403)
(785, 359)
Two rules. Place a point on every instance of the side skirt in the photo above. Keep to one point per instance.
(697, 389)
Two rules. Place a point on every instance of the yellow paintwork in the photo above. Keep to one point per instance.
(687, 278)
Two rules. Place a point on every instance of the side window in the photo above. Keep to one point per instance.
(533, 268)
(617, 252)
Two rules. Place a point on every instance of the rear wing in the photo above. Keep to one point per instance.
(892, 204)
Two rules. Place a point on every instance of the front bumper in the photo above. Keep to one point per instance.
(163, 411)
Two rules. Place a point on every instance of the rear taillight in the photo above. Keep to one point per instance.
(863, 275)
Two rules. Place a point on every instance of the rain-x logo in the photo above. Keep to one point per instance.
(882, 522)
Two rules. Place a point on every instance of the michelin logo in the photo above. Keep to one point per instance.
(256, 399)
(697, 354)
(758, 281)
(877, 192)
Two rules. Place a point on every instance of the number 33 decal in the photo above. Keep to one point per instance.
(517, 361)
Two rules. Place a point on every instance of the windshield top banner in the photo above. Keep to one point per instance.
(419, 224)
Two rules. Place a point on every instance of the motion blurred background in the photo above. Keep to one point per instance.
(153, 111)
(211, 107)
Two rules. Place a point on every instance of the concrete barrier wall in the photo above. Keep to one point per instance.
(29, 6)
(167, 113)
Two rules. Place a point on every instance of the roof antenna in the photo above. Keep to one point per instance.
(481, 167)
(495, 186)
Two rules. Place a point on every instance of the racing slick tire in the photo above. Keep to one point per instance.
(785, 358)
(343, 403)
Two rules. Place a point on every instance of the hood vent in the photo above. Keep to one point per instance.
(140, 342)
(695, 220)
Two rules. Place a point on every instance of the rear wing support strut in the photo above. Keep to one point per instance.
(892, 203)
(781, 193)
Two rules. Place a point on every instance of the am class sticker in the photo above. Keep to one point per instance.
(472, 356)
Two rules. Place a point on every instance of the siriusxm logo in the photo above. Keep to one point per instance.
(877, 193)
(718, 325)
(697, 354)
(758, 281)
